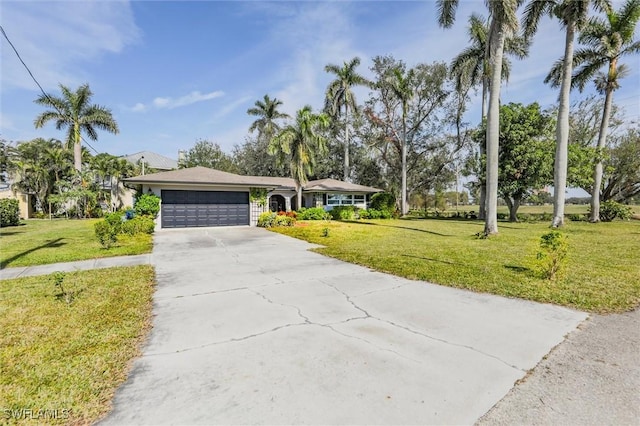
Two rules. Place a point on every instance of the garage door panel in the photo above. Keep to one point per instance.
(204, 208)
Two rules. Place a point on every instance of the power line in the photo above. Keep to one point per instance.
(46, 95)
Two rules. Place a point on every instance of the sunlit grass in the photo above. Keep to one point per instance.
(602, 274)
(39, 242)
(70, 357)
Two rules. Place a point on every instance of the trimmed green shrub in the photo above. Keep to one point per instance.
(267, 219)
(9, 212)
(383, 201)
(106, 233)
(147, 205)
(137, 225)
(313, 213)
(610, 210)
(282, 220)
(115, 220)
(552, 255)
(344, 212)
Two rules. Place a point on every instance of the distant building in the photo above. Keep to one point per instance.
(152, 160)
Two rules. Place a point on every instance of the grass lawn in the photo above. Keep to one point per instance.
(70, 357)
(602, 274)
(38, 242)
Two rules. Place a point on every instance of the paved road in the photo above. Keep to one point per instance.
(250, 327)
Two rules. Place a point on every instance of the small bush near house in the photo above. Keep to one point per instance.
(9, 212)
(139, 224)
(267, 219)
(610, 210)
(313, 213)
(147, 205)
(383, 201)
(344, 212)
(292, 214)
(106, 233)
(551, 258)
(284, 221)
(115, 220)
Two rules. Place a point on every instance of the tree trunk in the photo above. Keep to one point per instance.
(597, 172)
(493, 132)
(403, 203)
(482, 212)
(299, 197)
(346, 142)
(562, 132)
(77, 148)
(514, 205)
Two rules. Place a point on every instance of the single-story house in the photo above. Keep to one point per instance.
(199, 196)
(24, 200)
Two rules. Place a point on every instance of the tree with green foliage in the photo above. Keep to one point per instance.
(573, 15)
(268, 122)
(252, 159)
(471, 66)
(208, 154)
(526, 153)
(504, 23)
(606, 42)
(73, 110)
(301, 143)
(339, 95)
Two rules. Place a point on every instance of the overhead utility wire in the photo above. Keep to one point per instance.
(38, 84)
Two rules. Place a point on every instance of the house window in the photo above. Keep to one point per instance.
(344, 199)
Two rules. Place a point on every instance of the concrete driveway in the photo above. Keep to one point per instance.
(251, 327)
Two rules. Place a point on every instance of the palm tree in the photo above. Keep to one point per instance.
(472, 65)
(339, 95)
(401, 85)
(75, 111)
(573, 16)
(606, 41)
(504, 23)
(267, 111)
(301, 143)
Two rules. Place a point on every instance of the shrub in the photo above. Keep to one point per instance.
(106, 233)
(577, 217)
(147, 205)
(314, 213)
(9, 212)
(552, 255)
(267, 219)
(115, 220)
(383, 201)
(137, 225)
(284, 221)
(610, 210)
(343, 212)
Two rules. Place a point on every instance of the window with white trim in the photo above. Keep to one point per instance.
(345, 199)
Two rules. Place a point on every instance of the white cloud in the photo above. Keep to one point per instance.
(171, 103)
(228, 109)
(139, 107)
(57, 38)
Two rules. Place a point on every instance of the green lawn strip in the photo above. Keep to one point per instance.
(40, 242)
(59, 356)
(602, 274)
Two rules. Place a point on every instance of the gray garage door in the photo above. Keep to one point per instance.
(186, 209)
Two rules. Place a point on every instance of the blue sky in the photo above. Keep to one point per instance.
(175, 72)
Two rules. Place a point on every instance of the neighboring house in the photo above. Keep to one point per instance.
(199, 196)
(24, 203)
(123, 197)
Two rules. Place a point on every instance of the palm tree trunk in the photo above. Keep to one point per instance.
(597, 172)
(403, 203)
(562, 132)
(493, 132)
(346, 142)
(77, 148)
(482, 213)
(299, 197)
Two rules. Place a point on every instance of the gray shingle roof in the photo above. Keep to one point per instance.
(207, 176)
(152, 160)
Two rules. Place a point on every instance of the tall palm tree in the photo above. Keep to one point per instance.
(401, 85)
(75, 111)
(339, 95)
(472, 65)
(504, 23)
(268, 115)
(573, 15)
(606, 41)
(300, 142)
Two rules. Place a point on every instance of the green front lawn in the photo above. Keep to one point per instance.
(67, 359)
(38, 242)
(603, 271)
